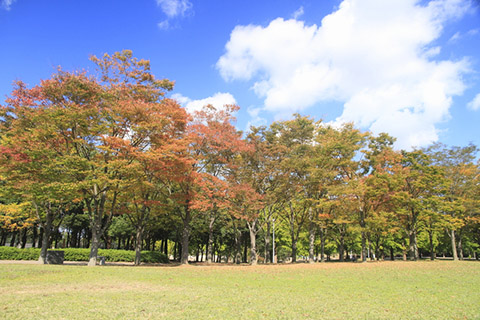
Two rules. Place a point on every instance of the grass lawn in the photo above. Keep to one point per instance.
(378, 290)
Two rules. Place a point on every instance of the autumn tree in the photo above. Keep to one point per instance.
(32, 167)
(461, 194)
(211, 141)
(422, 185)
(91, 127)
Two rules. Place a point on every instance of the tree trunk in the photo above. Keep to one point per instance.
(460, 247)
(341, 248)
(253, 242)
(138, 245)
(322, 245)
(12, 240)
(454, 245)
(40, 237)
(3, 238)
(392, 254)
(364, 235)
(96, 238)
(47, 227)
(432, 249)
(267, 243)
(311, 250)
(294, 249)
(24, 238)
(245, 249)
(238, 245)
(97, 212)
(34, 236)
(185, 234)
(210, 238)
(413, 249)
(175, 249)
(166, 247)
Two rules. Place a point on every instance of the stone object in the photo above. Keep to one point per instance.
(55, 257)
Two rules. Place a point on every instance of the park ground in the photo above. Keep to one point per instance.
(374, 290)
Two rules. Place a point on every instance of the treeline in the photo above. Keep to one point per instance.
(108, 161)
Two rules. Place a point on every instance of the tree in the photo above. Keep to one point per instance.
(422, 184)
(91, 127)
(212, 140)
(31, 164)
(461, 194)
(294, 140)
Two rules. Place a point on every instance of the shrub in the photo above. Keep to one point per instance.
(12, 253)
(82, 254)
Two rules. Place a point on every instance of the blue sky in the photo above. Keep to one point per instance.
(406, 67)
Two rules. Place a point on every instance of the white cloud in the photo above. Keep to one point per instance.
(455, 37)
(218, 100)
(375, 56)
(475, 103)
(164, 25)
(473, 32)
(6, 4)
(297, 14)
(174, 8)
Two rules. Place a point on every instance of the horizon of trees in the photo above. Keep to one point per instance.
(109, 161)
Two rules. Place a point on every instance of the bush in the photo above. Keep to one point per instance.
(12, 253)
(81, 254)
(154, 257)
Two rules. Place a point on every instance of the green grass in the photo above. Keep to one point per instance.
(385, 290)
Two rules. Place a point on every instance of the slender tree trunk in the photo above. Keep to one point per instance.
(322, 245)
(341, 248)
(267, 243)
(97, 211)
(24, 238)
(96, 238)
(40, 236)
(238, 245)
(454, 245)
(432, 249)
(460, 247)
(138, 245)
(186, 234)
(294, 240)
(294, 248)
(34, 236)
(412, 245)
(3, 238)
(311, 251)
(47, 227)
(175, 249)
(253, 242)
(392, 254)
(12, 240)
(364, 236)
(245, 249)
(210, 238)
